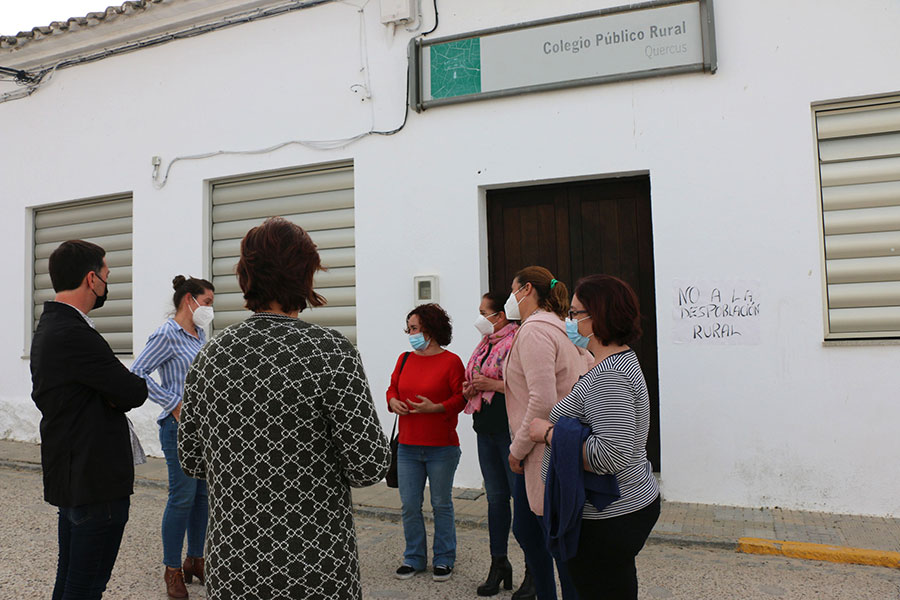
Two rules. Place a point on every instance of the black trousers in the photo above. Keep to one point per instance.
(89, 538)
(604, 567)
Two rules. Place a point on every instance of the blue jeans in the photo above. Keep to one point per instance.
(187, 509)
(89, 538)
(531, 535)
(493, 456)
(438, 464)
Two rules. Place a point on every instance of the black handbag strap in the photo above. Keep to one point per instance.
(402, 363)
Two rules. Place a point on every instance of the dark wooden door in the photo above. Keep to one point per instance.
(577, 229)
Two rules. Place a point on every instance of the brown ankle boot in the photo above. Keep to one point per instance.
(175, 583)
(193, 567)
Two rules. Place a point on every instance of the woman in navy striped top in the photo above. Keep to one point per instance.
(612, 400)
(169, 352)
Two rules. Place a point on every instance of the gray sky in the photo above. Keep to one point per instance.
(22, 15)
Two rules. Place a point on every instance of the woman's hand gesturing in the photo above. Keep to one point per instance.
(398, 407)
(425, 406)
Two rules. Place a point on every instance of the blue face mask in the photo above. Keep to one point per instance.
(575, 337)
(418, 341)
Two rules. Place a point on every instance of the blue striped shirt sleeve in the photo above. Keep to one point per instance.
(154, 354)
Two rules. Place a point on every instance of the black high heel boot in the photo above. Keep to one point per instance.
(527, 590)
(501, 570)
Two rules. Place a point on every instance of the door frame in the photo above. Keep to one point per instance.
(484, 260)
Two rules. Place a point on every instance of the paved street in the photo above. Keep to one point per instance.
(28, 547)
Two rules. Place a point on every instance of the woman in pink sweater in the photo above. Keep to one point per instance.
(542, 367)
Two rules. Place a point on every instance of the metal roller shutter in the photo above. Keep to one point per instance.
(321, 202)
(859, 170)
(106, 223)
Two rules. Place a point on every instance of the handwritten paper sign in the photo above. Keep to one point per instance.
(716, 312)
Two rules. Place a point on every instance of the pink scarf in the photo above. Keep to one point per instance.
(499, 344)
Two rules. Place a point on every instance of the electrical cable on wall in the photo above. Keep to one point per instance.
(366, 87)
(43, 77)
(38, 80)
(435, 20)
(406, 112)
(21, 77)
(313, 144)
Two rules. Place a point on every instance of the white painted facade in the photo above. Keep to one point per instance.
(787, 422)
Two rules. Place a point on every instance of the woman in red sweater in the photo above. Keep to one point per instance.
(426, 393)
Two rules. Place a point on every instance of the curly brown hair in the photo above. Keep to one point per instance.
(278, 263)
(434, 321)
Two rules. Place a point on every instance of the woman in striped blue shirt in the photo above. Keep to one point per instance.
(170, 351)
(611, 399)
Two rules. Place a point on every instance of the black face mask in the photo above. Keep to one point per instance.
(101, 300)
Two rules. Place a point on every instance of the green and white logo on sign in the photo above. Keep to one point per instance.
(456, 68)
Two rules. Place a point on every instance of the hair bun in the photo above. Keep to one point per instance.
(178, 281)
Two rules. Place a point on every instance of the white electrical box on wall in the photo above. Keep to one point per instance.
(426, 289)
(397, 11)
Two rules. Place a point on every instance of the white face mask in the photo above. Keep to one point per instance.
(484, 326)
(202, 315)
(511, 308)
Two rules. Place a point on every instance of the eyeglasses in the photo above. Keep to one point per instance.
(573, 313)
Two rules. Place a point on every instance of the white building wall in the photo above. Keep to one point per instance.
(788, 422)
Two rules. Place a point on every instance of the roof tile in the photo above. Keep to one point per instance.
(75, 23)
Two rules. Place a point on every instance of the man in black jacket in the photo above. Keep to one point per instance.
(83, 392)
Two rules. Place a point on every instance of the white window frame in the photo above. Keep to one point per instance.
(118, 286)
(340, 280)
(858, 296)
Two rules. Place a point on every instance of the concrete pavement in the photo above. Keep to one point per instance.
(794, 533)
(28, 551)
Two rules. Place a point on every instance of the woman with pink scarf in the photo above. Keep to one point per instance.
(483, 390)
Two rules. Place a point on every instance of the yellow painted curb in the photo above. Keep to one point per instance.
(839, 554)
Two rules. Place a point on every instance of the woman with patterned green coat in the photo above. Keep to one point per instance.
(278, 418)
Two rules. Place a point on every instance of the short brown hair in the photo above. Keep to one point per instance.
(71, 261)
(278, 263)
(435, 322)
(613, 308)
(552, 294)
